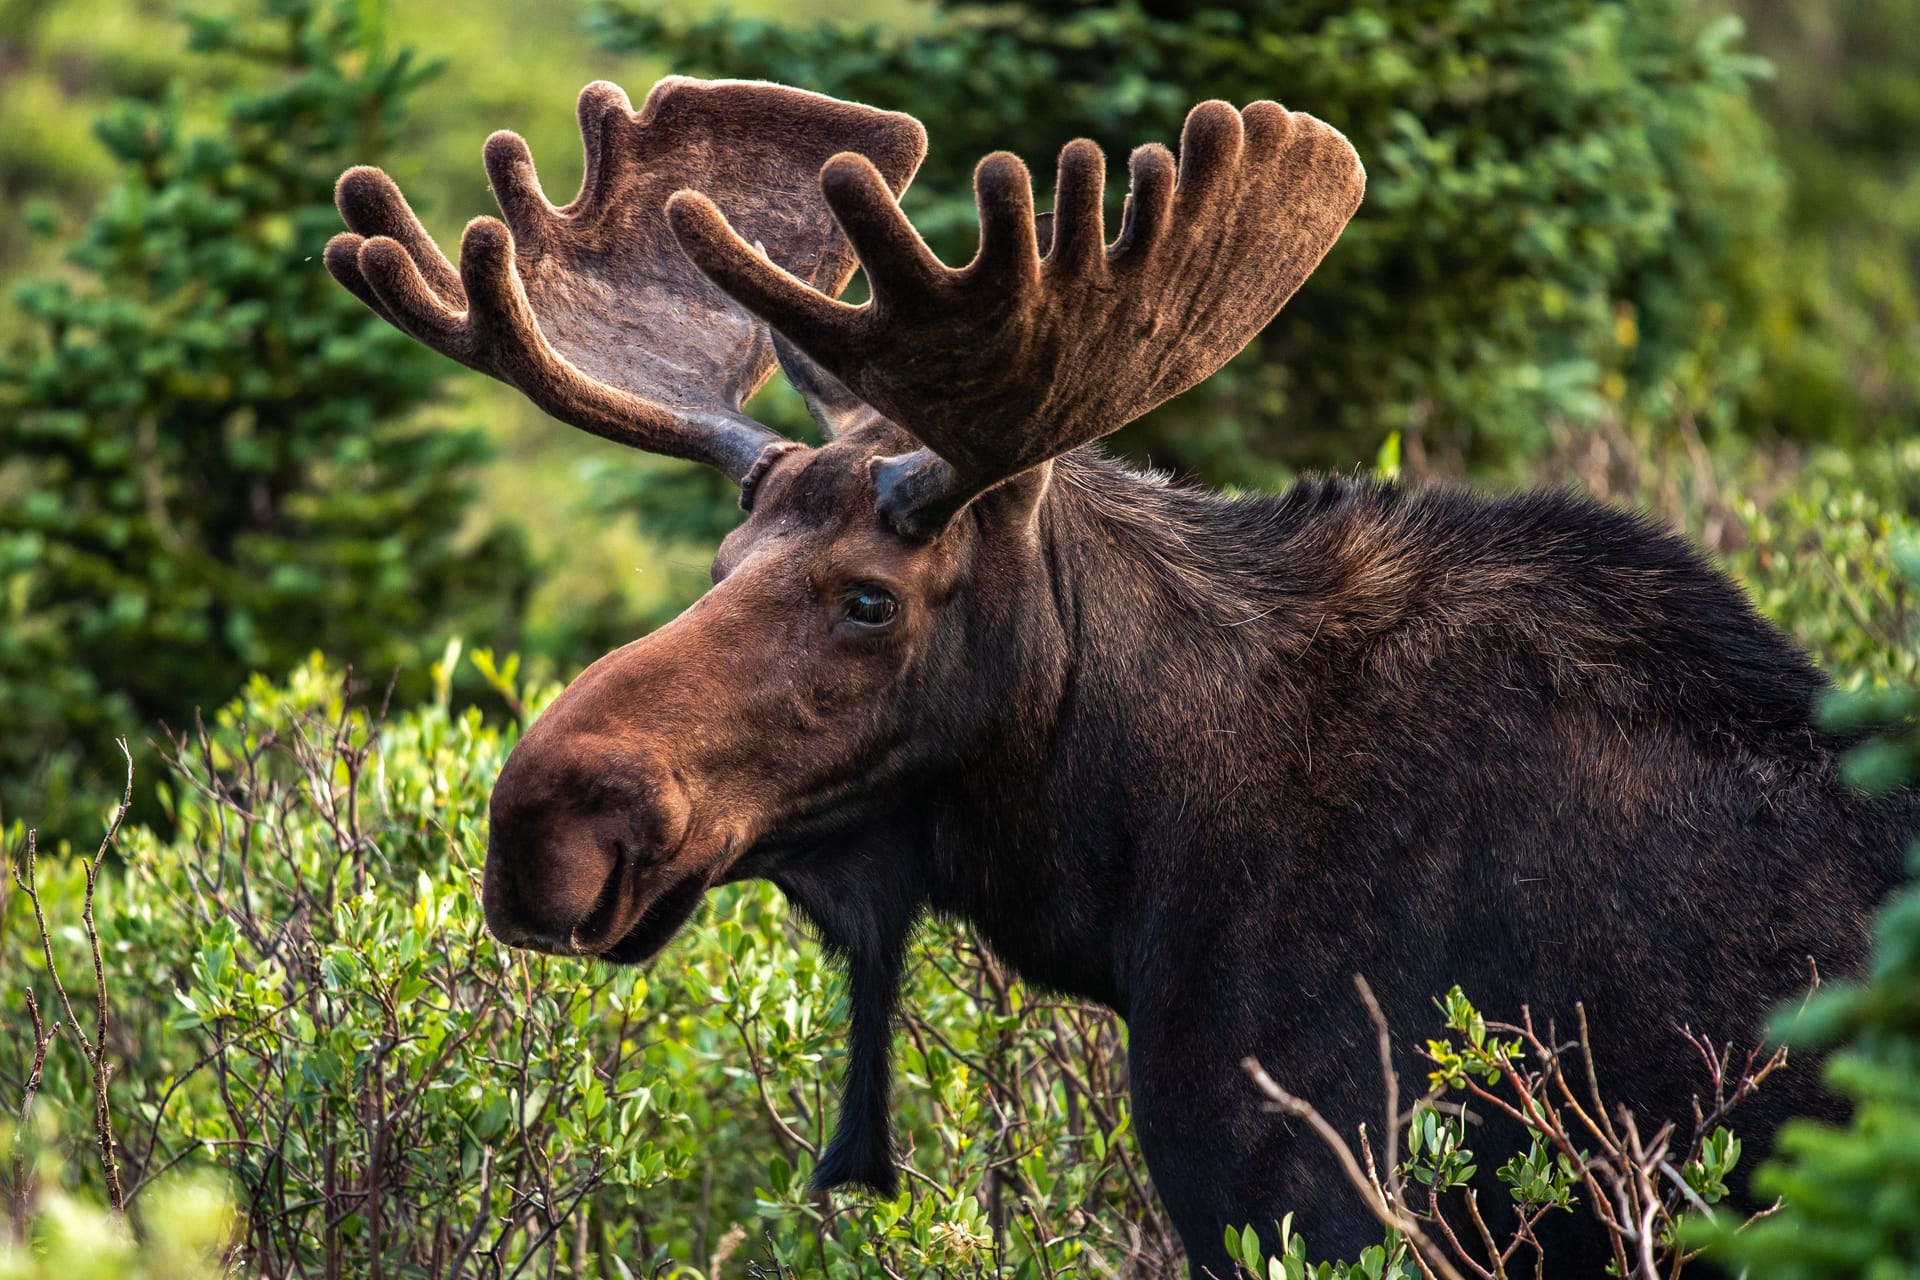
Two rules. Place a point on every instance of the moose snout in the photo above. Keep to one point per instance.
(537, 893)
(574, 862)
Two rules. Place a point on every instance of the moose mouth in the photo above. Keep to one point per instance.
(624, 927)
(658, 923)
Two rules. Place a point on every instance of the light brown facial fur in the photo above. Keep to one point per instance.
(665, 761)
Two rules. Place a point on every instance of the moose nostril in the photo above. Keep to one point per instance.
(596, 929)
(531, 893)
(503, 907)
(572, 856)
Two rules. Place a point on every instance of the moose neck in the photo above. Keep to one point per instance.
(1169, 616)
(1119, 667)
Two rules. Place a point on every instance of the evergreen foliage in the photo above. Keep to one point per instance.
(205, 464)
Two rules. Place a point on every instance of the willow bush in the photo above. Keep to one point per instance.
(305, 1003)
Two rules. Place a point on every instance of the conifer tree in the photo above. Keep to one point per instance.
(207, 462)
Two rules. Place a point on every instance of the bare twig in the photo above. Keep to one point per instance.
(22, 1176)
(1635, 1187)
(1395, 1187)
(93, 1048)
(1389, 1215)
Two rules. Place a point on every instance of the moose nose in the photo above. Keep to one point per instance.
(537, 893)
(573, 860)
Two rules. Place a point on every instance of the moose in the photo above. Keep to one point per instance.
(1196, 758)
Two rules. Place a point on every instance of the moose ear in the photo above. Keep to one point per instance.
(833, 408)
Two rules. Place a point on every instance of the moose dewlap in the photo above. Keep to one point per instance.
(1200, 759)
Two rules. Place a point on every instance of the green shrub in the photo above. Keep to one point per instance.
(1823, 559)
(1851, 1193)
(1639, 1179)
(1565, 199)
(204, 465)
(68, 1237)
(306, 1003)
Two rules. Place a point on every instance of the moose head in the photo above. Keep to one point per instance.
(876, 577)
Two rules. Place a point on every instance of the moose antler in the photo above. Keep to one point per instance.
(591, 309)
(1014, 359)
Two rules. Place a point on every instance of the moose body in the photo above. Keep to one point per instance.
(1198, 759)
(1532, 746)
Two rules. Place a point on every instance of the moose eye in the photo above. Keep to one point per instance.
(871, 607)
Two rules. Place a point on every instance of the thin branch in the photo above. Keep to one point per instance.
(22, 1175)
(93, 1048)
(1389, 1215)
(1396, 1189)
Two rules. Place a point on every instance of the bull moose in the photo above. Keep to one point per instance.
(1197, 758)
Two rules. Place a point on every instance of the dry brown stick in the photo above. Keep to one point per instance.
(1642, 1159)
(1496, 1260)
(22, 1191)
(1390, 1216)
(1453, 1237)
(1554, 1073)
(103, 1114)
(1396, 1189)
(93, 1048)
(1523, 1234)
(1593, 1079)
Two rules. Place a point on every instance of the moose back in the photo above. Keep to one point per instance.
(1197, 758)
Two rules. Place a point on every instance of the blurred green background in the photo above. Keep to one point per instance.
(1662, 251)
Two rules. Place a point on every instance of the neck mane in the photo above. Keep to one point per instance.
(1339, 573)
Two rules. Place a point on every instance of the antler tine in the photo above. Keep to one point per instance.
(591, 309)
(1014, 359)
(368, 198)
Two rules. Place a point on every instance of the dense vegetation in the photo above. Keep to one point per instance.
(213, 467)
(1603, 246)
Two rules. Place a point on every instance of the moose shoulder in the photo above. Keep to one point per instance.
(1197, 758)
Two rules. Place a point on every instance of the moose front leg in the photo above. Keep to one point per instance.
(1219, 1159)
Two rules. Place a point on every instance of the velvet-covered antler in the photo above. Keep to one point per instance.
(592, 310)
(1014, 359)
